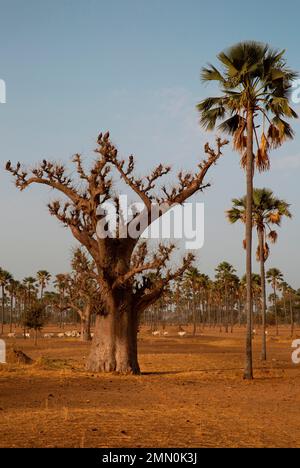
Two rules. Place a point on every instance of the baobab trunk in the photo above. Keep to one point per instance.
(248, 373)
(114, 346)
(263, 293)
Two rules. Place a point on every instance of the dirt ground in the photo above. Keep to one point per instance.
(191, 394)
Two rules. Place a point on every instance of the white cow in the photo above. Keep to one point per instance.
(182, 334)
(11, 335)
(156, 333)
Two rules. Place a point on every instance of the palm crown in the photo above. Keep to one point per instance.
(268, 212)
(255, 77)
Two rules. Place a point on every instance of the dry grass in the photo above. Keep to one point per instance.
(191, 394)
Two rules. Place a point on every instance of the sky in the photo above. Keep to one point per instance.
(74, 67)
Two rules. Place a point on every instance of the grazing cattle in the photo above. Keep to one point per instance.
(92, 335)
(60, 335)
(156, 333)
(27, 335)
(68, 334)
(182, 334)
(49, 335)
(11, 335)
(166, 333)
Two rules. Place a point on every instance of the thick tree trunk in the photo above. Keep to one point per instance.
(263, 294)
(126, 343)
(102, 356)
(248, 373)
(114, 346)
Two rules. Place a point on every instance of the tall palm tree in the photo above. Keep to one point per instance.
(268, 212)
(255, 83)
(275, 278)
(43, 278)
(5, 278)
(224, 275)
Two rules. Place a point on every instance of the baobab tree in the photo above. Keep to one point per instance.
(82, 290)
(122, 261)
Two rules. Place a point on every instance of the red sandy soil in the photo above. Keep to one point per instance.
(191, 394)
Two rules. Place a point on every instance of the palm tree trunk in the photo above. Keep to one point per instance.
(292, 317)
(2, 312)
(263, 293)
(11, 313)
(275, 310)
(194, 313)
(248, 373)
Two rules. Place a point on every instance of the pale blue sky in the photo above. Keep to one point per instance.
(75, 67)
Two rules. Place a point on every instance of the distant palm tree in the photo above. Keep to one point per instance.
(5, 278)
(192, 277)
(275, 278)
(30, 285)
(12, 289)
(268, 212)
(255, 84)
(224, 275)
(291, 296)
(43, 278)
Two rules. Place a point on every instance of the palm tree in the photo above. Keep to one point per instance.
(192, 277)
(268, 212)
(255, 82)
(12, 289)
(60, 283)
(291, 295)
(275, 278)
(43, 278)
(5, 278)
(30, 284)
(224, 275)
